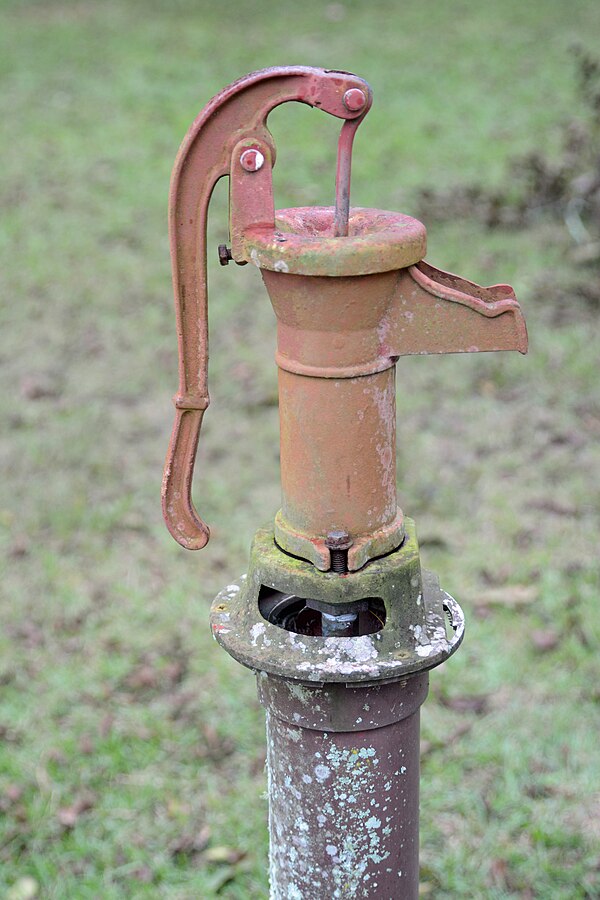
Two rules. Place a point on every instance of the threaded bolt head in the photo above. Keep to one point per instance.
(252, 160)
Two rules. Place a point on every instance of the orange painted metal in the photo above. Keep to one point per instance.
(338, 342)
(351, 293)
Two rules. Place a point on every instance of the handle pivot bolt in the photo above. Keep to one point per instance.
(354, 99)
(252, 160)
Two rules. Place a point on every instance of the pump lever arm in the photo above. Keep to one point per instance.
(239, 112)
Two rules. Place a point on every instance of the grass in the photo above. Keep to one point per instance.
(131, 753)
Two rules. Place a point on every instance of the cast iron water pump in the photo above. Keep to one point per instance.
(335, 615)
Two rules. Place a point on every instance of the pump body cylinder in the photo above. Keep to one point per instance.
(353, 489)
(343, 768)
(337, 414)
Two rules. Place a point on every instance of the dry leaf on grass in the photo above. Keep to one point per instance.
(68, 816)
(511, 596)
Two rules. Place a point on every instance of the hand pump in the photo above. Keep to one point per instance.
(335, 615)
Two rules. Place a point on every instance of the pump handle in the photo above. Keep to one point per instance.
(238, 112)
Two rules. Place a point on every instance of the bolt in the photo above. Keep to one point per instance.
(338, 543)
(224, 254)
(343, 625)
(354, 99)
(252, 160)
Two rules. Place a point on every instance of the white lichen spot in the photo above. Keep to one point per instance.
(300, 693)
(281, 266)
(373, 822)
(256, 631)
(331, 850)
(322, 773)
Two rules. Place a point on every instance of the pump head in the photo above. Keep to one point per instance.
(352, 294)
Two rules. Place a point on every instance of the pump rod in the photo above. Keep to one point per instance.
(342, 177)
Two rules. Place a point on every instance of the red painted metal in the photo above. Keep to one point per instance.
(239, 111)
(352, 294)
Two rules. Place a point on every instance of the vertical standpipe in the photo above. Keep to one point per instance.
(343, 770)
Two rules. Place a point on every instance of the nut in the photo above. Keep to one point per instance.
(338, 540)
(224, 254)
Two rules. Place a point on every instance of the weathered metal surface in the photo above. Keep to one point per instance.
(342, 632)
(437, 312)
(304, 242)
(250, 194)
(344, 166)
(412, 639)
(343, 789)
(350, 295)
(353, 488)
(239, 111)
(338, 341)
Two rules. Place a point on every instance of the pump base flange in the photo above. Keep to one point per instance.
(405, 645)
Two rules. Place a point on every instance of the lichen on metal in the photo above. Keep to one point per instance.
(413, 639)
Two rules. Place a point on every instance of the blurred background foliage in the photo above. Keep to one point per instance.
(131, 749)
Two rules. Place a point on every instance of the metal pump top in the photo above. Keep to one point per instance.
(335, 615)
(352, 294)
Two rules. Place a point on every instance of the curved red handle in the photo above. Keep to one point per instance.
(239, 111)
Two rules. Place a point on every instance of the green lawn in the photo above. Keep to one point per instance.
(131, 747)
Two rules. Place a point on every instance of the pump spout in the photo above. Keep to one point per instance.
(437, 312)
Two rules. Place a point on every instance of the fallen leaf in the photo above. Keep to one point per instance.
(468, 703)
(498, 872)
(13, 792)
(143, 874)
(39, 387)
(442, 744)
(106, 725)
(86, 745)
(223, 855)
(142, 678)
(68, 816)
(555, 507)
(19, 547)
(511, 596)
(545, 640)
(23, 889)
(191, 843)
(214, 746)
